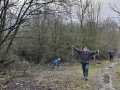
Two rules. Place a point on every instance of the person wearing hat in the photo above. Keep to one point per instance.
(84, 58)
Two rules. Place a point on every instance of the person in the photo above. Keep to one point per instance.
(119, 56)
(111, 55)
(57, 62)
(84, 55)
(98, 57)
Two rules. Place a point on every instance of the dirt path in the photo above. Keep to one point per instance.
(106, 77)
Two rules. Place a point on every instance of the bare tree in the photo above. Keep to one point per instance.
(80, 9)
(115, 9)
(93, 21)
(14, 13)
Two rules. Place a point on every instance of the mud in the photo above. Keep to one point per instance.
(106, 77)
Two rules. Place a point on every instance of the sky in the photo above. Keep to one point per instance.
(106, 11)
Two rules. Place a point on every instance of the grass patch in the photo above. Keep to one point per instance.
(118, 71)
(75, 67)
(116, 78)
(94, 70)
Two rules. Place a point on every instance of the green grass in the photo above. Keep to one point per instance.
(118, 71)
(116, 78)
(93, 69)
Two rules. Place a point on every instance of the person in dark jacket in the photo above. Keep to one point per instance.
(98, 57)
(57, 62)
(111, 54)
(84, 57)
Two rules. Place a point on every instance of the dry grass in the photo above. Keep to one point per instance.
(69, 79)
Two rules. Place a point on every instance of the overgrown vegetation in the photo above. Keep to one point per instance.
(38, 33)
(35, 32)
(44, 41)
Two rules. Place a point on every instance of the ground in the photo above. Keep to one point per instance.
(116, 77)
(64, 78)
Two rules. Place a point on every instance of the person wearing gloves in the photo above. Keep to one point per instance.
(84, 58)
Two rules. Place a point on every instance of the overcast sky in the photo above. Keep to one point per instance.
(106, 11)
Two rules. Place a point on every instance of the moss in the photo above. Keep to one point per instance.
(87, 85)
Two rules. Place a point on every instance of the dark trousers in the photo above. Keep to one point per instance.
(85, 67)
(111, 58)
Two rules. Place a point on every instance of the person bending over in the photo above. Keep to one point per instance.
(57, 62)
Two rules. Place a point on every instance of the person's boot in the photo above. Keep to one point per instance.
(83, 78)
(86, 79)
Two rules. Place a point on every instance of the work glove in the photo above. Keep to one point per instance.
(96, 51)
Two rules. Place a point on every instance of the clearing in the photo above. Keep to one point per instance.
(67, 78)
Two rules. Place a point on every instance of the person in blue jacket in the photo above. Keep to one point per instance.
(57, 62)
(84, 58)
